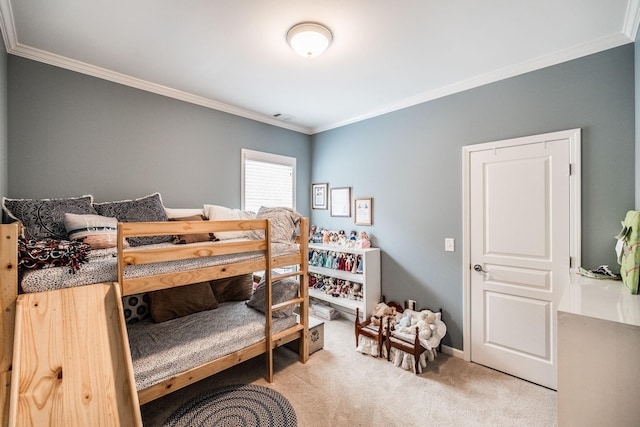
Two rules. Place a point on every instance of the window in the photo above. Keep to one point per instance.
(267, 180)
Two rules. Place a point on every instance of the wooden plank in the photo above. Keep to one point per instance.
(286, 304)
(304, 290)
(287, 335)
(268, 324)
(72, 364)
(140, 255)
(163, 281)
(286, 260)
(8, 294)
(8, 290)
(5, 394)
(166, 228)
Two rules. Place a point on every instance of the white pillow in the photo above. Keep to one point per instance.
(182, 213)
(100, 232)
(221, 213)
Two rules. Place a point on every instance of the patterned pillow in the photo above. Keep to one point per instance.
(136, 308)
(283, 224)
(148, 208)
(99, 232)
(44, 218)
(281, 291)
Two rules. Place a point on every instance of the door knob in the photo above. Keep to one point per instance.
(479, 268)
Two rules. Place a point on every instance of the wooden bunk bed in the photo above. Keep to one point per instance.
(123, 397)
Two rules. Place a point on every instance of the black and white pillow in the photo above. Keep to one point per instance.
(44, 218)
(144, 209)
(136, 308)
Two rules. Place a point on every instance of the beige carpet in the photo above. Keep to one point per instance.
(341, 387)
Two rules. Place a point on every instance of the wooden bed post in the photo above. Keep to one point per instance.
(269, 303)
(304, 289)
(8, 295)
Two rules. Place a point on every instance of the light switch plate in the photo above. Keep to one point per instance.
(449, 245)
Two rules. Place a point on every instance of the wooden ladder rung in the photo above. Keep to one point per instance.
(286, 304)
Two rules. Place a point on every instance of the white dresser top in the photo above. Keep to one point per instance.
(601, 299)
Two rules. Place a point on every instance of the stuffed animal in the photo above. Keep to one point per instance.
(403, 324)
(426, 324)
(357, 291)
(380, 314)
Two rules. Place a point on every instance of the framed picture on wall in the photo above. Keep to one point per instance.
(341, 201)
(363, 211)
(319, 196)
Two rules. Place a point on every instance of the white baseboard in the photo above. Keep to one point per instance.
(452, 352)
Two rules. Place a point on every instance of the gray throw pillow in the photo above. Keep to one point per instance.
(281, 290)
(283, 224)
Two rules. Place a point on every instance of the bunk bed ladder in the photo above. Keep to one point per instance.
(301, 300)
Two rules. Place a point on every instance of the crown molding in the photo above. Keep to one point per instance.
(628, 35)
(632, 19)
(13, 47)
(492, 77)
(102, 73)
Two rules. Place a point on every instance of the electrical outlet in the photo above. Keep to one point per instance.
(449, 245)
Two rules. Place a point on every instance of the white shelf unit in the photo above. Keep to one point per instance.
(369, 278)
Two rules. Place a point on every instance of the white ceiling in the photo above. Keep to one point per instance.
(232, 55)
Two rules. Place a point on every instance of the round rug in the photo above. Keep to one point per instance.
(236, 405)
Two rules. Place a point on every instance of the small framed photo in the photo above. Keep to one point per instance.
(319, 196)
(341, 201)
(363, 209)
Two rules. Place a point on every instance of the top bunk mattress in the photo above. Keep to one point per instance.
(102, 267)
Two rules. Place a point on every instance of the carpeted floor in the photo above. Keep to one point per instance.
(341, 387)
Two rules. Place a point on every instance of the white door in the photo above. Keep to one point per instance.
(519, 215)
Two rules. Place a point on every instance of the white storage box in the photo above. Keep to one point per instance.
(316, 337)
(324, 311)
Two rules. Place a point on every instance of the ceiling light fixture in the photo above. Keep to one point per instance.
(309, 39)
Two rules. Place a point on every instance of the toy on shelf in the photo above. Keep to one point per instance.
(363, 240)
(339, 238)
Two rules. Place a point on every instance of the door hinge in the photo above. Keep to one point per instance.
(570, 262)
(570, 169)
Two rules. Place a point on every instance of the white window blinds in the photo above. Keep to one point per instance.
(268, 180)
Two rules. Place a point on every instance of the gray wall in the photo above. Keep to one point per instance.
(410, 162)
(4, 173)
(72, 134)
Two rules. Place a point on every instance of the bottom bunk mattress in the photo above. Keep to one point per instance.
(161, 350)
